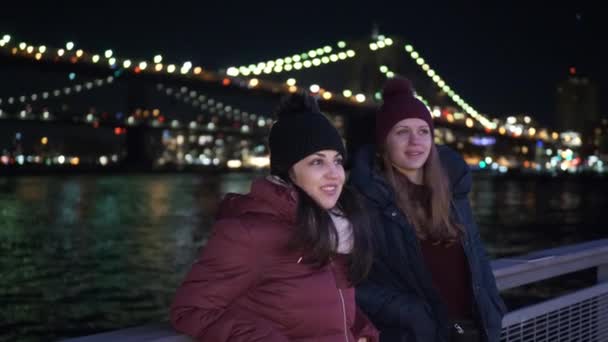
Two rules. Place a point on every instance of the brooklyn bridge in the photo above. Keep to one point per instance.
(69, 108)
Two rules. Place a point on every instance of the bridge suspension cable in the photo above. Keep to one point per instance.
(108, 57)
(304, 60)
(205, 103)
(434, 76)
(75, 89)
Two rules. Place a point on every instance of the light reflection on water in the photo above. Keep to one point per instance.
(83, 254)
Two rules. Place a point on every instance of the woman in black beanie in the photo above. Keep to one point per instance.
(283, 259)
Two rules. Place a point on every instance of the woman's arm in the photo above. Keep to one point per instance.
(227, 268)
(461, 189)
(388, 307)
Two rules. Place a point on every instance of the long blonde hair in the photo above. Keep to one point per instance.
(432, 222)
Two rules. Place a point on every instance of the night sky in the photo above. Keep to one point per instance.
(504, 58)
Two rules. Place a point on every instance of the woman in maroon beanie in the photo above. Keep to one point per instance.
(431, 280)
(282, 260)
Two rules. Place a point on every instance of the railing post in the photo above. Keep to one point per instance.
(602, 273)
(602, 314)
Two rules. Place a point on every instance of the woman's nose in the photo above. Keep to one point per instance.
(333, 171)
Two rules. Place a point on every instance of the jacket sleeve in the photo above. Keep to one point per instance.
(388, 307)
(461, 189)
(363, 327)
(228, 266)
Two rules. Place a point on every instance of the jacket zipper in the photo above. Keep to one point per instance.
(421, 257)
(475, 289)
(343, 315)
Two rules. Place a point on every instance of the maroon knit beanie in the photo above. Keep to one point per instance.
(399, 103)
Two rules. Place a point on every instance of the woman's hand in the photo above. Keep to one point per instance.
(362, 339)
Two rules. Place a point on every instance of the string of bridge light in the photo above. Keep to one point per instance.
(436, 111)
(432, 74)
(298, 61)
(46, 114)
(206, 103)
(304, 60)
(5, 40)
(483, 120)
(94, 120)
(78, 55)
(383, 42)
(23, 114)
(312, 58)
(65, 91)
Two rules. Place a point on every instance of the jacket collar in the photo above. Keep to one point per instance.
(267, 196)
(276, 193)
(367, 178)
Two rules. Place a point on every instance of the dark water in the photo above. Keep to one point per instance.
(84, 254)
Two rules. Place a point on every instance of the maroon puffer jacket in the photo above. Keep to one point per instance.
(246, 286)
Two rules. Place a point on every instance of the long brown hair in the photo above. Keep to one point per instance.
(431, 216)
(318, 236)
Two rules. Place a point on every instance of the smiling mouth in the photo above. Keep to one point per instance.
(329, 189)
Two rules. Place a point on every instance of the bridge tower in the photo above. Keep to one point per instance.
(142, 141)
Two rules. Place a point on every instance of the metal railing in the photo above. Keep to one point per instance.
(581, 316)
(578, 316)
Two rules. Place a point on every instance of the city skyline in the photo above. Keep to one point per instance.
(503, 60)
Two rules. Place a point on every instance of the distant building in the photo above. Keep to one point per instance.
(577, 104)
(600, 138)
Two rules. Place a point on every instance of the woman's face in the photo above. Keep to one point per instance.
(408, 144)
(321, 176)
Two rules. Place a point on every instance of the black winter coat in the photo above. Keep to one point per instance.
(398, 295)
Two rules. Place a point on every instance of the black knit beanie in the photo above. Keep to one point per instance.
(300, 130)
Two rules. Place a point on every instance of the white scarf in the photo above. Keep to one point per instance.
(345, 233)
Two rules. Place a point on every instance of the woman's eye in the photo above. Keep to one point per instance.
(316, 162)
